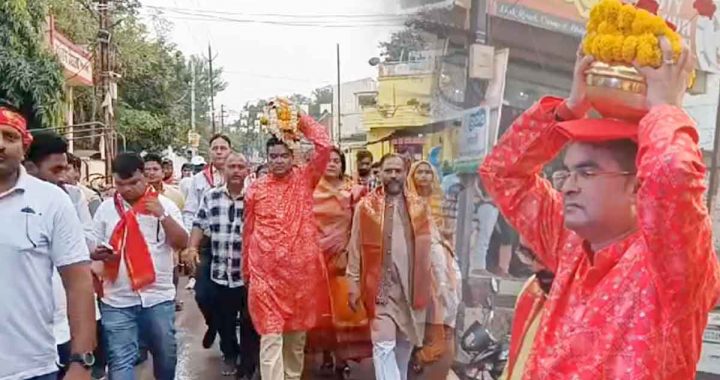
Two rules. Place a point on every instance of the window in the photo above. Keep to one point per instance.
(367, 99)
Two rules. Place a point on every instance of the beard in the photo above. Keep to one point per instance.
(393, 187)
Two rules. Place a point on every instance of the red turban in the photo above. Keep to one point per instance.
(16, 121)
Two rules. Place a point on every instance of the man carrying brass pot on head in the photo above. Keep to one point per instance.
(627, 234)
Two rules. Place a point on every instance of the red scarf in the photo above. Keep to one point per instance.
(127, 239)
(207, 172)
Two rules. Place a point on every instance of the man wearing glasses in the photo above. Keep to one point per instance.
(220, 218)
(627, 234)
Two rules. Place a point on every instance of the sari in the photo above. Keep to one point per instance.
(438, 348)
(343, 331)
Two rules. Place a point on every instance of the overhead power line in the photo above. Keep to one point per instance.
(297, 16)
(310, 21)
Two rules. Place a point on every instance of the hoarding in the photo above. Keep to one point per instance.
(569, 17)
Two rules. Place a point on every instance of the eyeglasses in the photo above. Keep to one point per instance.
(583, 175)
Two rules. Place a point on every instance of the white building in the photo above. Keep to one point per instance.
(354, 96)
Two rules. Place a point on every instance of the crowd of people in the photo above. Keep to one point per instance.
(295, 256)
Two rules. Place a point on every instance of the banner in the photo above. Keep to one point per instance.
(569, 17)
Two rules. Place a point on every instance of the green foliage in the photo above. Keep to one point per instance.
(30, 77)
(153, 106)
(401, 44)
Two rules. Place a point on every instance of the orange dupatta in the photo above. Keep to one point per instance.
(127, 240)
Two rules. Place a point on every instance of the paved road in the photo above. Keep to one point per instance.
(196, 363)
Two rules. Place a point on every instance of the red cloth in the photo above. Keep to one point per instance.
(598, 130)
(639, 310)
(127, 239)
(282, 260)
(16, 121)
(529, 303)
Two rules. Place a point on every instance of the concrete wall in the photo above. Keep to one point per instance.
(703, 108)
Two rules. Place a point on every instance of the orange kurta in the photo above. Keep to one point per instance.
(282, 260)
(638, 308)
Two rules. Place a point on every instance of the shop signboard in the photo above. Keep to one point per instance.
(76, 61)
(473, 138)
(569, 17)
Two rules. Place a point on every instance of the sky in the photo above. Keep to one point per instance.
(262, 60)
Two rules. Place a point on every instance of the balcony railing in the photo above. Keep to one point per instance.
(420, 67)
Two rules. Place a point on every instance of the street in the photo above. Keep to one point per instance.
(196, 363)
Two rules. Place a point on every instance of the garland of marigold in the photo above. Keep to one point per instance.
(620, 33)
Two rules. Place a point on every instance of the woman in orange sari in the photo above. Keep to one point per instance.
(437, 354)
(344, 333)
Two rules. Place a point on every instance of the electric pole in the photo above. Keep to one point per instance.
(105, 84)
(212, 89)
(222, 118)
(192, 104)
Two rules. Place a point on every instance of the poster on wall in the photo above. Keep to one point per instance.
(473, 138)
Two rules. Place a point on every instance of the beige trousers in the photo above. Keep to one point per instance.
(282, 356)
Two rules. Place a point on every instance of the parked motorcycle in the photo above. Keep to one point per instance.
(488, 354)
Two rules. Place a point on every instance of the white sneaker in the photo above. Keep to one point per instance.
(191, 284)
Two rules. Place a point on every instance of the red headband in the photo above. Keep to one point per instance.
(16, 121)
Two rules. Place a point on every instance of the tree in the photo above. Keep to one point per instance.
(322, 95)
(401, 44)
(30, 77)
(153, 106)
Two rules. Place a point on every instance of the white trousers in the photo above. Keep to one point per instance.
(391, 350)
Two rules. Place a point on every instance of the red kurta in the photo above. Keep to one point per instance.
(638, 311)
(281, 256)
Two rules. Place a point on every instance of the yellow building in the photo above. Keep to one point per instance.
(403, 103)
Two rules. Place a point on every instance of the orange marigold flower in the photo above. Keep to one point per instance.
(629, 49)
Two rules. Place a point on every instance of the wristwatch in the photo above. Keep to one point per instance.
(87, 360)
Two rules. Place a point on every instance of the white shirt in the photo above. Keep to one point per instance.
(40, 231)
(119, 294)
(61, 325)
(184, 185)
(198, 187)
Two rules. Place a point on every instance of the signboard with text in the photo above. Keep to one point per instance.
(76, 61)
(473, 136)
(569, 17)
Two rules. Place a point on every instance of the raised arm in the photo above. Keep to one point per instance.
(671, 212)
(318, 135)
(511, 175)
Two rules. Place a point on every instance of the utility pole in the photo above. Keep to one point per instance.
(105, 84)
(222, 118)
(192, 103)
(339, 114)
(472, 99)
(212, 89)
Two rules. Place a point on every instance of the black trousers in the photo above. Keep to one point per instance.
(204, 288)
(230, 310)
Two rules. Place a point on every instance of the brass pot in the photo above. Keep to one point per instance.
(617, 91)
